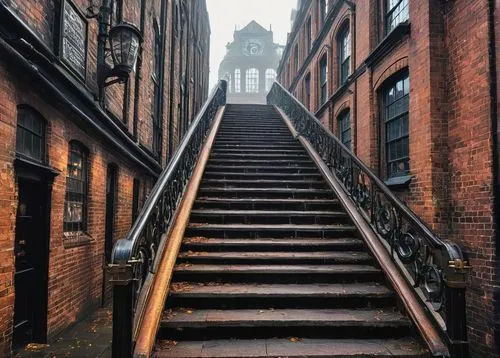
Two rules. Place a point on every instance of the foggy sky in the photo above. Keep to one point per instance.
(225, 14)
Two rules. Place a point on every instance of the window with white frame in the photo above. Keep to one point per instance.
(252, 80)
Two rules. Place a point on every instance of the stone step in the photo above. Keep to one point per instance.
(277, 162)
(232, 175)
(267, 204)
(326, 318)
(241, 192)
(220, 216)
(304, 169)
(296, 257)
(271, 244)
(263, 183)
(273, 230)
(294, 347)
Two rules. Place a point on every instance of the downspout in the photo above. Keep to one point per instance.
(137, 85)
(172, 67)
(496, 167)
(354, 109)
(163, 13)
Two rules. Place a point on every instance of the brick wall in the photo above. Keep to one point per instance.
(450, 137)
(75, 275)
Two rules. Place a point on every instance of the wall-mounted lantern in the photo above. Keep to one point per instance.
(125, 41)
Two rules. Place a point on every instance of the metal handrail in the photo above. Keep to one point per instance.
(135, 257)
(436, 268)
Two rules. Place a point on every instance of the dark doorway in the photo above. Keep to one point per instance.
(31, 253)
(110, 210)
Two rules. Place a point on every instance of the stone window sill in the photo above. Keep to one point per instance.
(398, 182)
(76, 239)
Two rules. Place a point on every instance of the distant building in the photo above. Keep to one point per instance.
(250, 64)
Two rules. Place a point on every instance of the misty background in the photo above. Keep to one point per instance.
(226, 14)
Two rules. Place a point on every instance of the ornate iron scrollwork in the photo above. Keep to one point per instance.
(139, 249)
(431, 262)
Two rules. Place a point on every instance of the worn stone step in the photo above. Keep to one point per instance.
(297, 257)
(255, 162)
(263, 183)
(276, 273)
(241, 192)
(214, 216)
(267, 204)
(327, 318)
(257, 146)
(258, 156)
(271, 244)
(263, 230)
(304, 169)
(186, 289)
(231, 175)
(291, 348)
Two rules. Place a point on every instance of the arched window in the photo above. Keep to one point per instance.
(323, 79)
(270, 78)
(237, 80)
(30, 136)
(344, 51)
(252, 80)
(344, 128)
(76, 202)
(395, 109)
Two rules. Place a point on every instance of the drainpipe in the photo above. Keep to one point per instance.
(137, 87)
(354, 110)
(495, 154)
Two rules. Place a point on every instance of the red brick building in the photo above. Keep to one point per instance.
(76, 159)
(412, 87)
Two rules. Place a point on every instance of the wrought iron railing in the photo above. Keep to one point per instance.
(434, 267)
(134, 258)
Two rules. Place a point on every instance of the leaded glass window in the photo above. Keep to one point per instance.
(252, 80)
(396, 13)
(396, 108)
(344, 128)
(30, 136)
(75, 207)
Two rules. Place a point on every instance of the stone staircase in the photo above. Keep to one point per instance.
(271, 265)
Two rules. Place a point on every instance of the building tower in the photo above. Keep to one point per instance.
(250, 64)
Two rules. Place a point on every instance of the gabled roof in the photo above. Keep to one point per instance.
(253, 27)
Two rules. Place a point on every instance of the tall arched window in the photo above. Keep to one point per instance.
(76, 202)
(237, 80)
(344, 50)
(252, 80)
(30, 136)
(270, 78)
(323, 79)
(395, 133)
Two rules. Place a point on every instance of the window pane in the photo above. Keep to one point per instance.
(30, 136)
(396, 127)
(76, 190)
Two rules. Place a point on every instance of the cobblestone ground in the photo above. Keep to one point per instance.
(88, 338)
